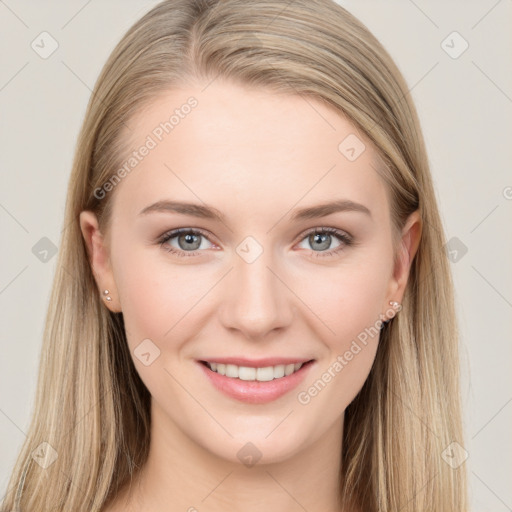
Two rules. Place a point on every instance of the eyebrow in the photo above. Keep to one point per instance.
(208, 212)
(322, 210)
(195, 210)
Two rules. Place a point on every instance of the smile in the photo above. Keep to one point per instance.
(263, 382)
(263, 374)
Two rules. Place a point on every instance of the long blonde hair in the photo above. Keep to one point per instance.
(92, 409)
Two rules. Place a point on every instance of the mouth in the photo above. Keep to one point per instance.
(255, 382)
(253, 373)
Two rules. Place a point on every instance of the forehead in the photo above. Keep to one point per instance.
(228, 144)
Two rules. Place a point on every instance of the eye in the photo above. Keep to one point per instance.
(322, 238)
(188, 241)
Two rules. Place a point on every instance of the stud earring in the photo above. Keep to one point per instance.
(108, 297)
(397, 307)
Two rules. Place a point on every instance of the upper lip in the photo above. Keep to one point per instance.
(256, 363)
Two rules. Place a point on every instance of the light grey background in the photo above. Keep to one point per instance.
(465, 106)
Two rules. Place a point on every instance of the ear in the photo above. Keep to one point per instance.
(409, 242)
(99, 259)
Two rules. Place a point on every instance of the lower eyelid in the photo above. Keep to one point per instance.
(344, 239)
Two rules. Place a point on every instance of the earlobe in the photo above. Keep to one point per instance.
(99, 259)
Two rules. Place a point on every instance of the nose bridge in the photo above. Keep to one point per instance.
(256, 300)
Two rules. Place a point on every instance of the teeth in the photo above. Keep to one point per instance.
(231, 370)
(278, 371)
(265, 374)
(289, 369)
(260, 374)
(245, 373)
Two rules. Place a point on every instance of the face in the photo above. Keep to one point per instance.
(246, 273)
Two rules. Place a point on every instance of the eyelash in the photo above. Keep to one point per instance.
(346, 240)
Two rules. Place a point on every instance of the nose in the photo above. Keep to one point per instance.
(256, 299)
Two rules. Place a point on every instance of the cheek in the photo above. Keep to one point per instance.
(347, 299)
(157, 302)
(161, 300)
(349, 303)
(350, 349)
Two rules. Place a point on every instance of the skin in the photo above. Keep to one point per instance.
(257, 157)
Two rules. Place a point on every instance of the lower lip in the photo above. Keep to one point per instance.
(253, 391)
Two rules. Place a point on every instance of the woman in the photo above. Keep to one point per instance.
(252, 307)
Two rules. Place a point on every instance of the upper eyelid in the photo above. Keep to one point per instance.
(175, 232)
(329, 229)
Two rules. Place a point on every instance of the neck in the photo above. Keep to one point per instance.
(182, 475)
